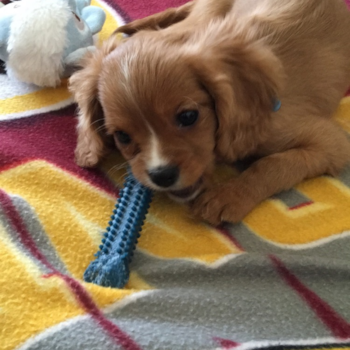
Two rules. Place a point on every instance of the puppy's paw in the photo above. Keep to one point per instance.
(86, 158)
(225, 203)
(88, 154)
(90, 149)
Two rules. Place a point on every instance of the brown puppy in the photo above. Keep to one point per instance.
(178, 99)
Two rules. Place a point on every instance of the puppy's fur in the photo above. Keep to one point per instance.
(230, 60)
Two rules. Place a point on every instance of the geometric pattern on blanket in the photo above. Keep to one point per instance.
(280, 279)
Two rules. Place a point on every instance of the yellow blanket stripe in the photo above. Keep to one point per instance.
(28, 299)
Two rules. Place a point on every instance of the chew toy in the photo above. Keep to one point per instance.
(111, 267)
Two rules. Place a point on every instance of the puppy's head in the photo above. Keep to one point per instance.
(172, 109)
(161, 118)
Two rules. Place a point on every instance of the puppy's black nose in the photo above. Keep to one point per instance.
(164, 176)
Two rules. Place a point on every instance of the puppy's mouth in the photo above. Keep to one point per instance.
(188, 193)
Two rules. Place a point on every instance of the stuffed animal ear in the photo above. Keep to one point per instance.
(80, 4)
(94, 17)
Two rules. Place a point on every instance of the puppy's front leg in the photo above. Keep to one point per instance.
(233, 200)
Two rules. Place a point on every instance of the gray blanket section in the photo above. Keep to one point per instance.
(242, 300)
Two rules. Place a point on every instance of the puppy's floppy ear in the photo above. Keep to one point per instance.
(91, 144)
(244, 81)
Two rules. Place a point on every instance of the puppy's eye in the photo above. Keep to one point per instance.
(187, 118)
(122, 137)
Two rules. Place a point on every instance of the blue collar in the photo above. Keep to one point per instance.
(276, 105)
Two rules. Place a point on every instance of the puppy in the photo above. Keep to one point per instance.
(221, 80)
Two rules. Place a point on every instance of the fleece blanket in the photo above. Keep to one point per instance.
(278, 280)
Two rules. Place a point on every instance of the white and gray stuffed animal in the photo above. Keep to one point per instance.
(42, 41)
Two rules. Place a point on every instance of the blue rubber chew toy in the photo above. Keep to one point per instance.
(111, 267)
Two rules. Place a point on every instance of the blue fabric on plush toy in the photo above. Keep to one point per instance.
(42, 42)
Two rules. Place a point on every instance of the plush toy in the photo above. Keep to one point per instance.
(42, 41)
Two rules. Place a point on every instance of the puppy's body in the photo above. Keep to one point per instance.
(228, 60)
(310, 40)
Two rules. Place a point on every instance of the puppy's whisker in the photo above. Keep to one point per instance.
(97, 121)
(121, 178)
(116, 168)
(101, 128)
